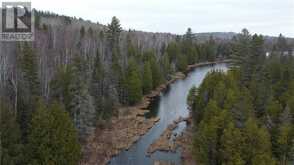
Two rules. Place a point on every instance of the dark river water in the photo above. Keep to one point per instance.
(169, 106)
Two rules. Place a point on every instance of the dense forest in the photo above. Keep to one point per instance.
(245, 116)
(55, 90)
(51, 103)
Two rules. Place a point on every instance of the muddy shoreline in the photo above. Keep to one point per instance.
(127, 128)
(164, 142)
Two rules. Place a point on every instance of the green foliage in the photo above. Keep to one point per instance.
(274, 109)
(191, 96)
(285, 143)
(281, 45)
(182, 62)
(113, 32)
(173, 50)
(60, 85)
(28, 87)
(166, 66)
(29, 67)
(231, 146)
(11, 148)
(157, 77)
(258, 147)
(208, 135)
(241, 55)
(81, 106)
(134, 85)
(210, 49)
(101, 99)
(244, 118)
(52, 137)
(188, 46)
(147, 78)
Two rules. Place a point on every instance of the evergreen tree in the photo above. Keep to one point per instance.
(257, 55)
(285, 143)
(241, 55)
(147, 78)
(156, 74)
(246, 115)
(134, 86)
(191, 96)
(281, 45)
(118, 77)
(207, 141)
(173, 49)
(52, 137)
(182, 62)
(211, 49)
(113, 32)
(189, 37)
(274, 109)
(166, 66)
(39, 138)
(81, 105)
(219, 94)
(29, 87)
(131, 50)
(98, 88)
(29, 67)
(258, 147)
(231, 146)
(60, 85)
(11, 148)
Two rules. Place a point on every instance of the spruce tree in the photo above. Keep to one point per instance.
(60, 85)
(258, 147)
(231, 146)
(52, 138)
(285, 143)
(166, 66)
(29, 68)
(97, 86)
(182, 62)
(173, 49)
(281, 44)
(29, 87)
(38, 147)
(156, 75)
(11, 147)
(81, 104)
(113, 32)
(133, 80)
(147, 78)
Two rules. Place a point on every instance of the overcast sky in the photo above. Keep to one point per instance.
(269, 17)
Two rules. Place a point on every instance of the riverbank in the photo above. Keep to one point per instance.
(166, 142)
(125, 129)
(170, 142)
(185, 142)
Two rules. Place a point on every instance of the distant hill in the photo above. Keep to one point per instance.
(215, 35)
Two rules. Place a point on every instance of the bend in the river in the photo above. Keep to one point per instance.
(169, 106)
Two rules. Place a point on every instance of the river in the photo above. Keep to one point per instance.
(169, 106)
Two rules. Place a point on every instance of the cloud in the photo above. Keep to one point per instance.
(269, 17)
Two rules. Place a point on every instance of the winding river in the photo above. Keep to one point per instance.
(169, 106)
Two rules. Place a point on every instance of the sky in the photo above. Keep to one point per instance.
(268, 17)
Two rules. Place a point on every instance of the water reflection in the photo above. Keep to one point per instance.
(153, 108)
(169, 106)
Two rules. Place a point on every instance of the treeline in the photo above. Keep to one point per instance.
(45, 124)
(245, 116)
